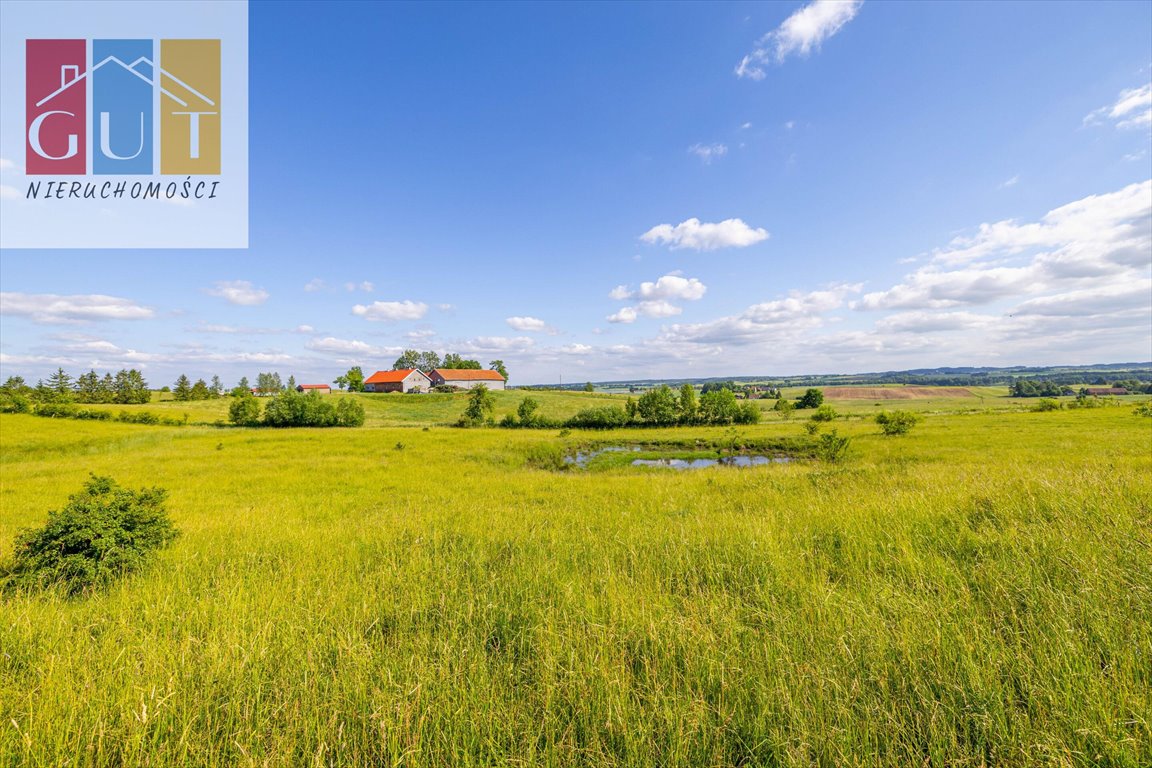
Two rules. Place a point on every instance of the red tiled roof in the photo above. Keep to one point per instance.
(383, 377)
(467, 374)
(315, 386)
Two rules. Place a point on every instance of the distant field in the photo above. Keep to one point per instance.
(894, 393)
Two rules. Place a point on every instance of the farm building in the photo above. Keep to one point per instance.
(323, 389)
(1106, 391)
(466, 378)
(404, 380)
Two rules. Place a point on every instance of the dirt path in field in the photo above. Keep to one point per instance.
(893, 393)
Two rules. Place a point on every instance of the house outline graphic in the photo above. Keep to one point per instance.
(65, 84)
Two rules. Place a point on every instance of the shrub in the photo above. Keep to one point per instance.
(349, 412)
(143, 417)
(605, 417)
(831, 447)
(481, 404)
(1143, 409)
(824, 413)
(244, 410)
(748, 413)
(784, 408)
(54, 410)
(14, 402)
(527, 411)
(102, 533)
(1047, 404)
(896, 422)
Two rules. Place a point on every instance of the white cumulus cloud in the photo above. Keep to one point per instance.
(654, 299)
(389, 311)
(705, 236)
(53, 308)
(529, 324)
(240, 292)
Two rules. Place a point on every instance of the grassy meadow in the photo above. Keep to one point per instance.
(975, 593)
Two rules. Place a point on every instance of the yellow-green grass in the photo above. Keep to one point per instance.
(976, 593)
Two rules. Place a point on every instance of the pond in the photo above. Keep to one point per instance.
(652, 458)
(722, 461)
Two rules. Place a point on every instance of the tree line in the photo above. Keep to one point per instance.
(430, 360)
(126, 387)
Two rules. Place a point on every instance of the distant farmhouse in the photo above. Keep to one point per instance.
(1097, 391)
(404, 380)
(466, 378)
(323, 389)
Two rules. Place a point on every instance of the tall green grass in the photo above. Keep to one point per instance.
(976, 593)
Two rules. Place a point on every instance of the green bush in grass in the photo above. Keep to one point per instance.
(102, 533)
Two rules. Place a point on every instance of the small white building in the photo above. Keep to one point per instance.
(404, 380)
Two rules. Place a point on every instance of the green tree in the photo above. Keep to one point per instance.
(588, 387)
(631, 409)
(130, 387)
(409, 358)
(719, 407)
(355, 378)
(527, 411)
(244, 410)
(107, 389)
(200, 391)
(183, 389)
(269, 383)
(16, 384)
(715, 386)
(88, 388)
(291, 382)
(784, 408)
(341, 381)
(658, 406)
(454, 361)
(498, 366)
(689, 407)
(243, 384)
(217, 386)
(481, 405)
(812, 398)
(60, 386)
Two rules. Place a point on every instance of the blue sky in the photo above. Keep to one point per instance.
(610, 191)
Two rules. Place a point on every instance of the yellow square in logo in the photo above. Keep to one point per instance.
(190, 114)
